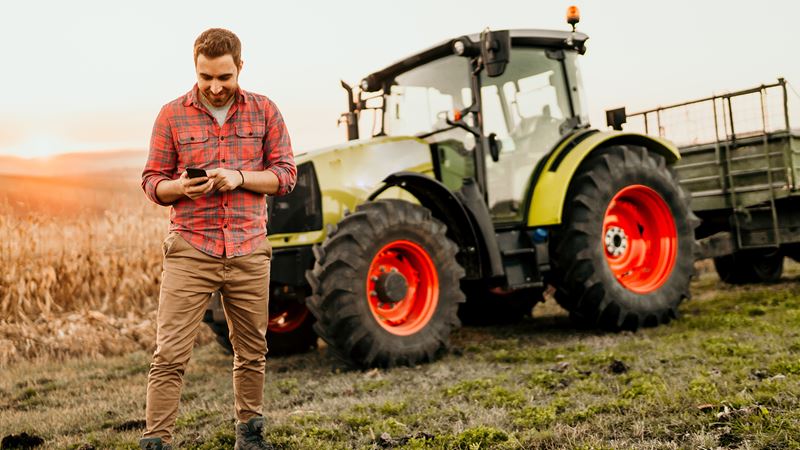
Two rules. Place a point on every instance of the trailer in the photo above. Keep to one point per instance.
(740, 162)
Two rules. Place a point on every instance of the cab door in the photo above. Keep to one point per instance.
(525, 107)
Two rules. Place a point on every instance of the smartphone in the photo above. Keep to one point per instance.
(195, 173)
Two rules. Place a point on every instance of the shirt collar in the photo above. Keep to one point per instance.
(193, 97)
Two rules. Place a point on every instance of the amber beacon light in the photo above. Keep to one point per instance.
(573, 16)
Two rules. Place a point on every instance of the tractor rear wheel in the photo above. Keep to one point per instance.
(385, 286)
(750, 267)
(624, 255)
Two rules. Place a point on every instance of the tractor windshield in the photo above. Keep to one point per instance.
(419, 100)
(535, 96)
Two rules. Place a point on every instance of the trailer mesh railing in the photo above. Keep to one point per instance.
(750, 112)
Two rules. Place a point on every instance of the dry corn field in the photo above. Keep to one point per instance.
(81, 266)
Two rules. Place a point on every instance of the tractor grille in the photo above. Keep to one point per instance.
(299, 211)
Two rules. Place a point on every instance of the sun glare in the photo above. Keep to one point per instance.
(38, 146)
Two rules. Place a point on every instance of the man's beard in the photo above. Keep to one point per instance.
(218, 100)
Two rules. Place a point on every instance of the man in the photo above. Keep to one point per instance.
(217, 238)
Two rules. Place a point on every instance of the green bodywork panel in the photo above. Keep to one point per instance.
(348, 173)
(550, 192)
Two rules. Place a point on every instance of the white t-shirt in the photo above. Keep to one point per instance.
(219, 113)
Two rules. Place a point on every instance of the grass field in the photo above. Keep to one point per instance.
(723, 376)
(81, 266)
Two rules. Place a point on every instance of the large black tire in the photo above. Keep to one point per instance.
(750, 267)
(486, 306)
(585, 283)
(346, 313)
(288, 341)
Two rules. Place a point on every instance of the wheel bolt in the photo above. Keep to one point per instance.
(373, 293)
(373, 278)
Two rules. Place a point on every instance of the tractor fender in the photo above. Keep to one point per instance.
(546, 204)
(446, 207)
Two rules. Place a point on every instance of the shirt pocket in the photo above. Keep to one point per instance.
(191, 146)
(251, 139)
(191, 137)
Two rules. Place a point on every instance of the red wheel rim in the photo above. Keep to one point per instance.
(411, 313)
(639, 239)
(288, 316)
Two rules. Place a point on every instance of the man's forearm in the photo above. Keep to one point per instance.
(169, 191)
(263, 182)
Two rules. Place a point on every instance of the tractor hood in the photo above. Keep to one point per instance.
(346, 174)
(384, 155)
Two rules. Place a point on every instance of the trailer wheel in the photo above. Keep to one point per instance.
(385, 286)
(750, 267)
(624, 255)
(290, 329)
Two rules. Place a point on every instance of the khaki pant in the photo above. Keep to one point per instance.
(188, 279)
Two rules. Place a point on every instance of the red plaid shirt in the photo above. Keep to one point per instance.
(253, 137)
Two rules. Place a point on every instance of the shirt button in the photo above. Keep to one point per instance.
(225, 204)
(225, 226)
(223, 160)
(222, 138)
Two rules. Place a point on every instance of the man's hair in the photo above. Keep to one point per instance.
(216, 42)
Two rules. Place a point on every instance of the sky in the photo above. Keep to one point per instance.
(92, 75)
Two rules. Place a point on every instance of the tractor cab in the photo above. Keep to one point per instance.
(491, 105)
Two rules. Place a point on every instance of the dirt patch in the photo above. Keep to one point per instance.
(129, 425)
(21, 441)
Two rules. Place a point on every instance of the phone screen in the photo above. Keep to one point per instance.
(195, 173)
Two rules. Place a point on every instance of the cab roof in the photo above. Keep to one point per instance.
(519, 38)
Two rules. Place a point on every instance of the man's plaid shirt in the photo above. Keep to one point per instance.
(253, 138)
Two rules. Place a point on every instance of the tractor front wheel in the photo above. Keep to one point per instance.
(385, 286)
(289, 331)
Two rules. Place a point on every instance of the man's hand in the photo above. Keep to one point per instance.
(224, 179)
(195, 188)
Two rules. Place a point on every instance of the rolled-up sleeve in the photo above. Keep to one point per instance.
(279, 158)
(161, 161)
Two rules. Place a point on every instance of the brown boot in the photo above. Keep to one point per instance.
(250, 435)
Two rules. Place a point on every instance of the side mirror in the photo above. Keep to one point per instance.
(495, 145)
(616, 117)
(495, 51)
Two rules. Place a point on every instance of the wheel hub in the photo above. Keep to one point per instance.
(640, 238)
(402, 287)
(391, 287)
(616, 241)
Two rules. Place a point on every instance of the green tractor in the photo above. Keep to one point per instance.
(471, 181)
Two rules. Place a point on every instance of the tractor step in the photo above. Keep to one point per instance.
(529, 285)
(519, 251)
(520, 259)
